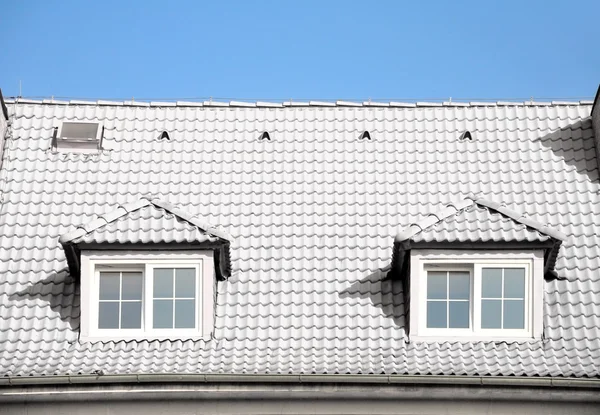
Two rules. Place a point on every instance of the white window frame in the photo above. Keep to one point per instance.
(92, 262)
(423, 260)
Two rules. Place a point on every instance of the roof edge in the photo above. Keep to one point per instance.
(99, 378)
(308, 103)
(3, 105)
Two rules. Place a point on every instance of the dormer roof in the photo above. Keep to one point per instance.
(143, 222)
(477, 221)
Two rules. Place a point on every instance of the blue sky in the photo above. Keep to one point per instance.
(300, 49)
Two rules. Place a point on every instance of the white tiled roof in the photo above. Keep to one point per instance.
(313, 213)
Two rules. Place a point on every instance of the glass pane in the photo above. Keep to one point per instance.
(459, 314)
(132, 286)
(131, 315)
(491, 282)
(109, 286)
(460, 285)
(185, 282)
(185, 315)
(436, 285)
(436, 314)
(108, 315)
(514, 314)
(163, 282)
(514, 282)
(163, 314)
(491, 317)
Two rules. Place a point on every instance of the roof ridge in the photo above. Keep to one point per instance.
(127, 208)
(308, 103)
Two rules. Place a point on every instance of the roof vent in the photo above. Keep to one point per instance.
(164, 136)
(466, 135)
(79, 137)
(364, 135)
(264, 136)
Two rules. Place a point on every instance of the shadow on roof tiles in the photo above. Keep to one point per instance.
(384, 293)
(575, 146)
(60, 291)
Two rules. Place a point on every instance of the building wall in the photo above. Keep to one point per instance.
(301, 407)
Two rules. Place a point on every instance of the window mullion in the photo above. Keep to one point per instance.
(502, 301)
(147, 298)
(120, 297)
(477, 297)
(174, 276)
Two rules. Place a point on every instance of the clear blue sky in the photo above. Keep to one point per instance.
(300, 49)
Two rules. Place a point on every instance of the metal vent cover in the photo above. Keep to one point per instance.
(78, 136)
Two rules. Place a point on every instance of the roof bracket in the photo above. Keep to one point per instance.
(164, 135)
(364, 135)
(264, 136)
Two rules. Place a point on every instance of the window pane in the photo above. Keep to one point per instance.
(514, 282)
(459, 314)
(460, 285)
(436, 285)
(436, 314)
(491, 317)
(185, 282)
(514, 314)
(185, 315)
(163, 282)
(163, 314)
(131, 315)
(491, 283)
(108, 315)
(132, 286)
(109, 286)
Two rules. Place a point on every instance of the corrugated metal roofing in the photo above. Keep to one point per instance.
(314, 212)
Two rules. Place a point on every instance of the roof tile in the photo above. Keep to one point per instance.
(314, 214)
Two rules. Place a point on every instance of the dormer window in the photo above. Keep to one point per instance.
(148, 270)
(477, 294)
(475, 271)
(145, 294)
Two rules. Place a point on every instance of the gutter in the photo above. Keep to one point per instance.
(68, 388)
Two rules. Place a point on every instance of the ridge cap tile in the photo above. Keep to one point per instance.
(296, 104)
(375, 104)
(135, 205)
(264, 104)
(73, 235)
(94, 224)
(242, 104)
(162, 104)
(402, 104)
(321, 104)
(455, 104)
(215, 104)
(136, 104)
(111, 103)
(348, 104)
(81, 102)
(114, 214)
(189, 104)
